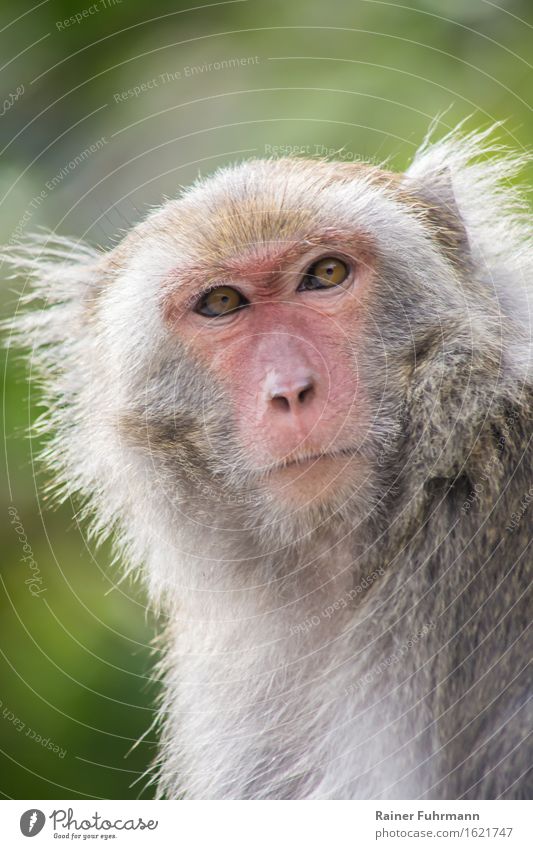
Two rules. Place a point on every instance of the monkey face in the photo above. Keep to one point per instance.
(271, 296)
(273, 316)
(279, 343)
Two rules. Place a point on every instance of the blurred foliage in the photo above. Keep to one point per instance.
(366, 77)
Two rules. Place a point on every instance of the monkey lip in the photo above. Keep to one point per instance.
(310, 459)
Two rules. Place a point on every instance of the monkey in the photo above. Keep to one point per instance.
(299, 398)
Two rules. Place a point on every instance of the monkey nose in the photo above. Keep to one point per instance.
(291, 396)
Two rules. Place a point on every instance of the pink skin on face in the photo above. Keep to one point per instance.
(287, 359)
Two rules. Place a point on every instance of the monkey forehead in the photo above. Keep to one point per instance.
(265, 200)
(269, 209)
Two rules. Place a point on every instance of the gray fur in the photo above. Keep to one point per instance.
(373, 648)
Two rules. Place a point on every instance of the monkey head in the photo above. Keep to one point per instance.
(266, 340)
(275, 312)
(269, 303)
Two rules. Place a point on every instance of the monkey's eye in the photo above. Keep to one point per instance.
(220, 301)
(325, 274)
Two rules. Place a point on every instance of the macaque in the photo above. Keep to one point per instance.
(299, 396)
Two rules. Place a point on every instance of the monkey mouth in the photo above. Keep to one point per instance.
(304, 460)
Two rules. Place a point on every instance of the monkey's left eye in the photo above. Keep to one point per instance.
(220, 301)
(325, 274)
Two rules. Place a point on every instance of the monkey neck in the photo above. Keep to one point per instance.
(288, 658)
(271, 646)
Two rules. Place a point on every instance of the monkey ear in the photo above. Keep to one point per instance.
(434, 194)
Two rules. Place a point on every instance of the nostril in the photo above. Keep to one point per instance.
(291, 398)
(306, 393)
(281, 402)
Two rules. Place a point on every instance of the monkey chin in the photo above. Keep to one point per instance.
(320, 480)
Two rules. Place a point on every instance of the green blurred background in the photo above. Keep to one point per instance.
(363, 76)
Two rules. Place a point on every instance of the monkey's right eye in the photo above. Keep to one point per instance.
(220, 301)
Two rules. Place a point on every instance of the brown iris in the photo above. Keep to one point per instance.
(325, 274)
(220, 301)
